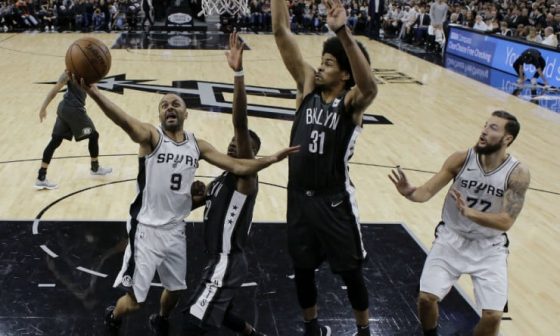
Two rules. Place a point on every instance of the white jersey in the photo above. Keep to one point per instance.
(164, 181)
(482, 191)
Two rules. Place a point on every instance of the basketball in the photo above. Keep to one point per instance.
(88, 58)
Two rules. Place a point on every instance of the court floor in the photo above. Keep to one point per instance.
(422, 114)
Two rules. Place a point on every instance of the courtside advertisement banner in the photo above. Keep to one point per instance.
(499, 53)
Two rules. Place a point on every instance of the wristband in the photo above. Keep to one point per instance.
(339, 29)
(239, 73)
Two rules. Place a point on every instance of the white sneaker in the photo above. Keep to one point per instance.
(101, 171)
(45, 184)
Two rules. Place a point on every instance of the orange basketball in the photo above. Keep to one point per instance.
(89, 59)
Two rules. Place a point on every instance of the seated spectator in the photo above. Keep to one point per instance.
(504, 30)
(550, 38)
(493, 25)
(534, 35)
(479, 24)
(421, 25)
(520, 32)
(407, 21)
(98, 19)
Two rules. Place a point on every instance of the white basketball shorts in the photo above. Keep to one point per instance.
(485, 260)
(161, 248)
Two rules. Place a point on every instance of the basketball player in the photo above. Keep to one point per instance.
(533, 57)
(71, 121)
(228, 214)
(322, 212)
(168, 159)
(483, 202)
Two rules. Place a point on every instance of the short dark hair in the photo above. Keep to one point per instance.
(256, 140)
(512, 125)
(334, 47)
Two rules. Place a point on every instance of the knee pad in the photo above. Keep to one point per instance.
(356, 288)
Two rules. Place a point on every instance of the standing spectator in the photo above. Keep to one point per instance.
(376, 10)
(438, 15)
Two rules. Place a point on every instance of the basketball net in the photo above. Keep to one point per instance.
(219, 7)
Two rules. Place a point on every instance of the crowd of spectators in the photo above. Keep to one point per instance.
(414, 21)
(69, 15)
(535, 21)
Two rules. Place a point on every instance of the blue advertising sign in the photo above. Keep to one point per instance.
(499, 53)
(503, 81)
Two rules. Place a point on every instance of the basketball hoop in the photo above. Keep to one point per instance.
(219, 7)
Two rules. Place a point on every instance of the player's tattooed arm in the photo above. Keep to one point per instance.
(515, 194)
(514, 198)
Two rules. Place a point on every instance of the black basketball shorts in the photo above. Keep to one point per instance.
(324, 227)
(72, 122)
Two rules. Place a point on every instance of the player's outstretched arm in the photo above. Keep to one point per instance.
(239, 110)
(365, 89)
(425, 192)
(246, 184)
(301, 71)
(241, 167)
(62, 80)
(139, 132)
(514, 198)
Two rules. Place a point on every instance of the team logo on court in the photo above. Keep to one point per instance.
(209, 96)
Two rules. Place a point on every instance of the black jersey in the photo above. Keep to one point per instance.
(75, 96)
(327, 135)
(532, 56)
(227, 216)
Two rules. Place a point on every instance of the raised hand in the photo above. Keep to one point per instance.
(401, 182)
(336, 14)
(282, 154)
(235, 53)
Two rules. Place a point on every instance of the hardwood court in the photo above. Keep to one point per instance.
(429, 122)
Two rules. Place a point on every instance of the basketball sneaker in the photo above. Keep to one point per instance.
(362, 331)
(112, 325)
(159, 325)
(313, 328)
(256, 333)
(101, 171)
(45, 184)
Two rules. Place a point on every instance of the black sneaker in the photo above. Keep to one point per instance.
(324, 331)
(112, 325)
(159, 325)
(256, 333)
(363, 332)
(315, 329)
